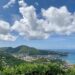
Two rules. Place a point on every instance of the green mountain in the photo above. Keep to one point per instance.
(9, 55)
(8, 59)
(30, 51)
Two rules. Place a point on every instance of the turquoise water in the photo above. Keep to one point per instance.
(70, 58)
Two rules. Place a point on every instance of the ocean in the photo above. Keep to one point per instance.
(71, 55)
(70, 58)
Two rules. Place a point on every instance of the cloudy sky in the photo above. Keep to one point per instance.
(45, 24)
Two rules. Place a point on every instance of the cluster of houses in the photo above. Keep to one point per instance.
(27, 57)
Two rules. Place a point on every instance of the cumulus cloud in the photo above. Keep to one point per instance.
(5, 31)
(9, 4)
(54, 21)
(4, 27)
(29, 25)
(59, 20)
(7, 37)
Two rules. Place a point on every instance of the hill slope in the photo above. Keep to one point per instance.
(29, 50)
(7, 59)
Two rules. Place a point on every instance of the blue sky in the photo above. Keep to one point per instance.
(56, 41)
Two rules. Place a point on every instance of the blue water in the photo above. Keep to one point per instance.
(70, 58)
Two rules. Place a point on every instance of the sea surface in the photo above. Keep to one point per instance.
(70, 58)
(71, 55)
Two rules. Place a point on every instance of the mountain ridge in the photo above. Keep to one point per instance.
(29, 50)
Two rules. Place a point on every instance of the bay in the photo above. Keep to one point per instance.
(70, 58)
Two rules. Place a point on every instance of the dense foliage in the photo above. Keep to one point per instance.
(51, 68)
(7, 59)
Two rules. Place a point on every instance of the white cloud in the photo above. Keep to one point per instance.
(5, 31)
(59, 20)
(9, 4)
(7, 37)
(54, 21)
(4, 27)
(21, 3)
(29, 26)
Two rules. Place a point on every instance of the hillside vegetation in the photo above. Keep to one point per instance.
(30, 50)
(7, 59)
(10, 65)
(51, 68)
